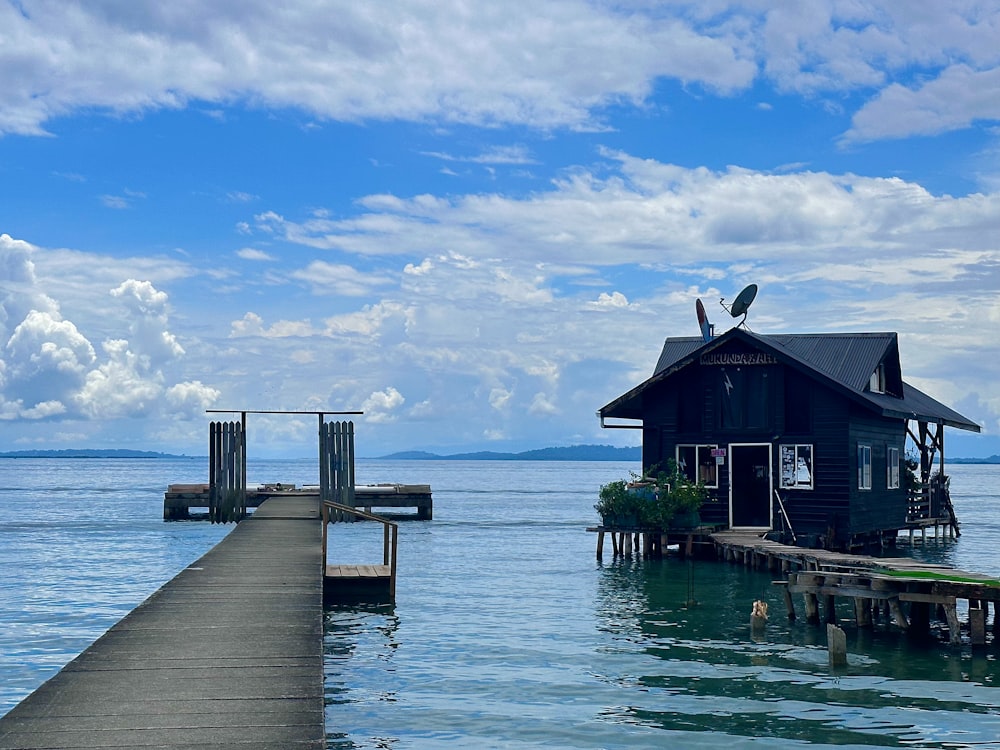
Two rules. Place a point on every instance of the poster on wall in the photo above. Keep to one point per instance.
(796, 467)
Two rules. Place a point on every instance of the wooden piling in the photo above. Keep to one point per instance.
(977, 625)
(836, 640)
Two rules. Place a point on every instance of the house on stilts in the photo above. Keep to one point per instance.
(804, 436)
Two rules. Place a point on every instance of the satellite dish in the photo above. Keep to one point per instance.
(742, 303)
(743, 300)
(703, 324)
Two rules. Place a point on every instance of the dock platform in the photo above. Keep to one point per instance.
(180, 499)
(904, 591)
(227, 654)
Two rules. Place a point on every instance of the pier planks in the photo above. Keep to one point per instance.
(227, 654)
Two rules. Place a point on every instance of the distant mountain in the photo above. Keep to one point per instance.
(88, 453)
(568, 453)
(991, 460)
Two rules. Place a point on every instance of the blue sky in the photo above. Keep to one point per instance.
(476, 222)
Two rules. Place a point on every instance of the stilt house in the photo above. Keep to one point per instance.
(802, 434)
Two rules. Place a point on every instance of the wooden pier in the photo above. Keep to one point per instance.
(181, 499)
(902, 591)
(227, 654)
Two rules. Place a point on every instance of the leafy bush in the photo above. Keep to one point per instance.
(654, 500)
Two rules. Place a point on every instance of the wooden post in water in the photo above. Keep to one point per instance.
(836, 640)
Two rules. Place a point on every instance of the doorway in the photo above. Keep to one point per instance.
(750, 485)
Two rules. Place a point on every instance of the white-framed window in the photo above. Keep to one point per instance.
(876, 383)
(797, 467)
(892, 468)
(697, 463)
(864, 467)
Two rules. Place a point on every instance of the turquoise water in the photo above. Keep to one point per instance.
(507, 632)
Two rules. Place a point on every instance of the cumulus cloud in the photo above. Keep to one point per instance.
(191, 398)
(47, 358)
(148, 321)
(49, 369)
(382, 406)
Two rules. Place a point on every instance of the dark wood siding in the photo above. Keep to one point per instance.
(878, 508)
(827, 505)
(688, 409)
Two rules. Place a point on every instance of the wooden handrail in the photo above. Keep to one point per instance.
(390, 537)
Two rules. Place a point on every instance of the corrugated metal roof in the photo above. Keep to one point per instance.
(676, 349)
(846, 360)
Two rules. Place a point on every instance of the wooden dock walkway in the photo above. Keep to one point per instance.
(227, 654)
(906, 592)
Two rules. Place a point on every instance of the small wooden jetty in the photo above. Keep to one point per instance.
(904, 591)
(186, 501)
(900, 590)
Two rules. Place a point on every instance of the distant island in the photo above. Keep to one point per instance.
(568, 453)
(89, 453)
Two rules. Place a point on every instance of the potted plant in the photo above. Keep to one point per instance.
(678, 499)
(621, 503)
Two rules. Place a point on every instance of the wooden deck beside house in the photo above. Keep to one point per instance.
(906, 592)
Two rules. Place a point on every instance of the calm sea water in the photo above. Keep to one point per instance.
(507, 633)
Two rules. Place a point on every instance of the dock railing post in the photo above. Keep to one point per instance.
(392, 565)
(326, 522)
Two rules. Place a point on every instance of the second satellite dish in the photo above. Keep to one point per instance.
(743, 300)
(742, 303)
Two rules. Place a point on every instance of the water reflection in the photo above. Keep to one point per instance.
(359, 648)
(697, 669)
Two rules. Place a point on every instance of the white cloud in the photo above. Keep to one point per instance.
(654, 213)
(339, 279)
(382, 406)
(499, 398)
(615, 299)
(955, 99)
(148, 326)
(191, 398)
(119, 387)
(543, 64)
(546, 65)
(542, 404)
(250, 253)
(252, 324)
(47, 358)
(48, 367)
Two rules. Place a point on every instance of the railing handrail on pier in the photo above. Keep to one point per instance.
(390, 536)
